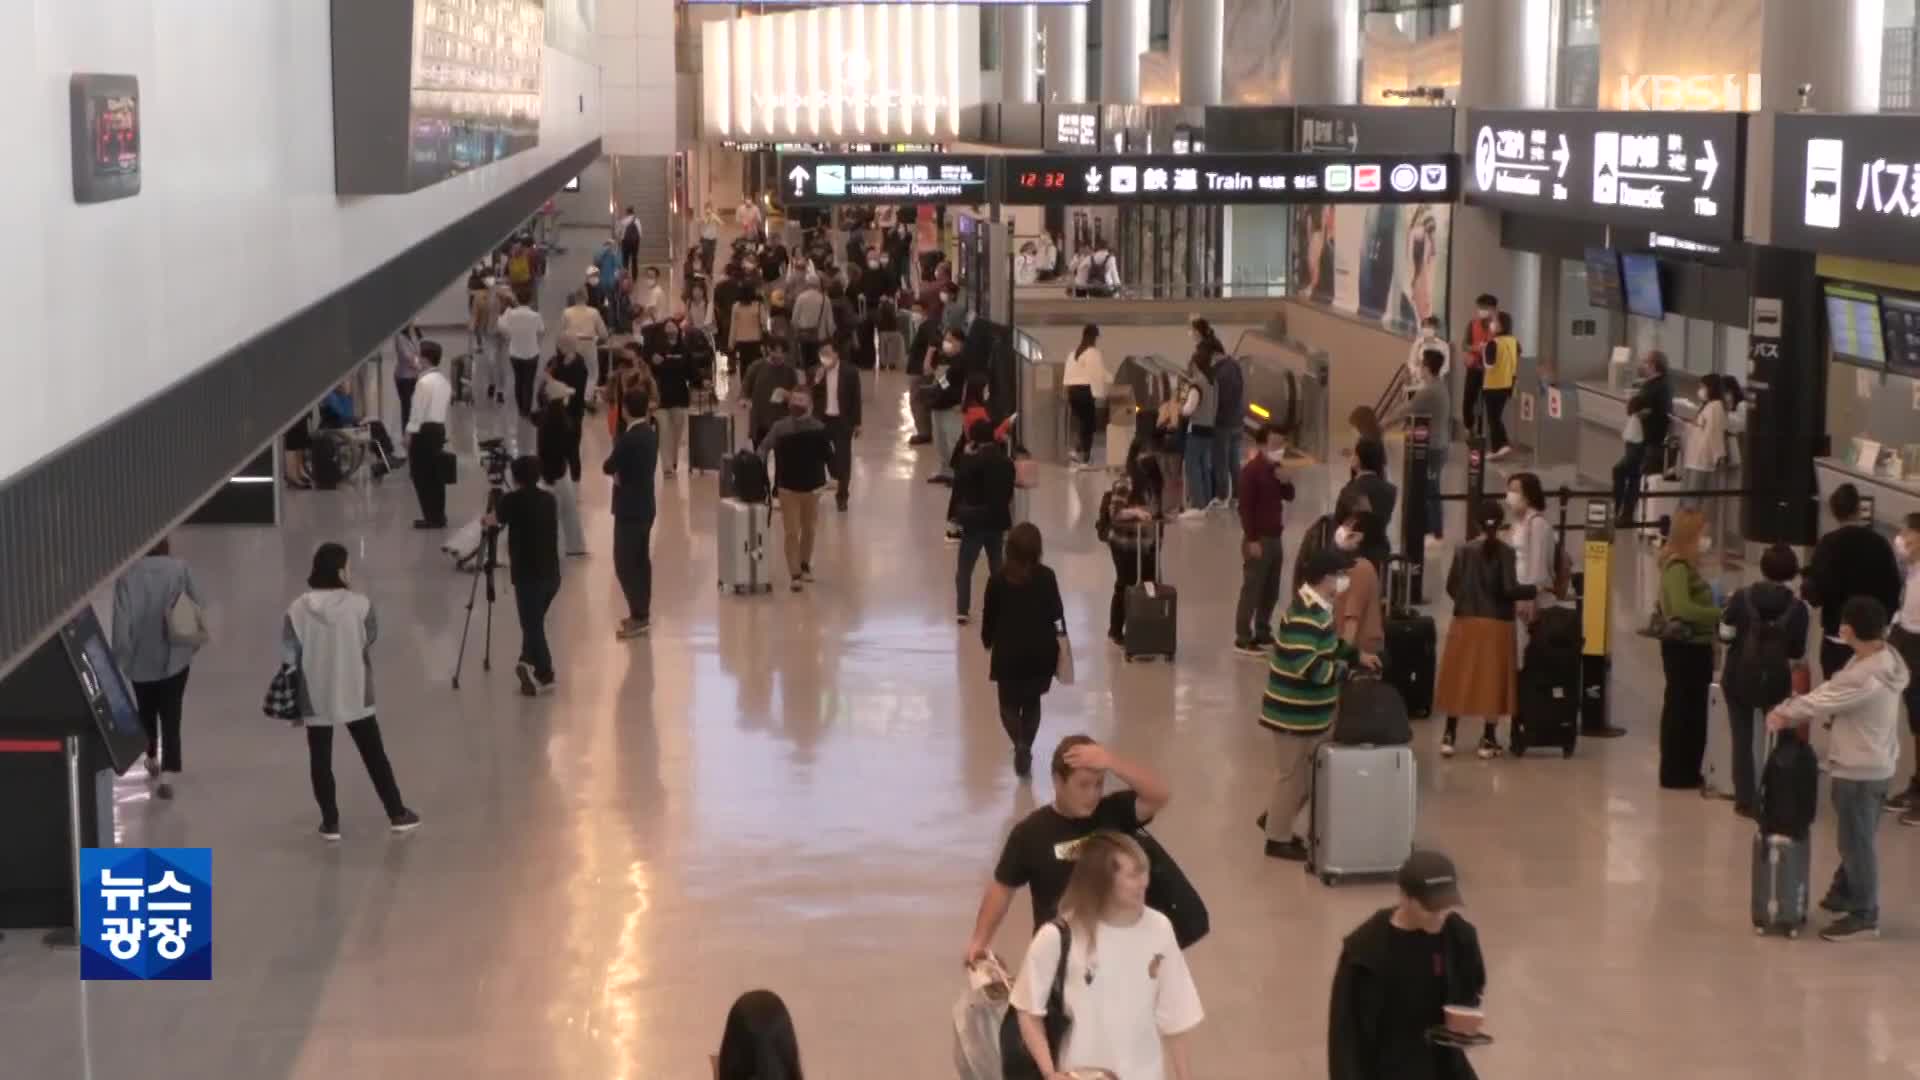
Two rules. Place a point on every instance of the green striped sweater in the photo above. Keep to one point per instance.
(1303, 672)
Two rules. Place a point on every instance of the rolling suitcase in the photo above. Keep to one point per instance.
(1363, 810)
(742, 535)
(1547, 709)
(1153, 610)
(1717, 770)
(1782, 869)
(1413, 645)
(709, 441)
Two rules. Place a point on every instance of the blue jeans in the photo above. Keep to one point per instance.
(532, 599)
(1856, 813)
(1199, 468)
(1226, 460)
(972, 543)
(1436, 468)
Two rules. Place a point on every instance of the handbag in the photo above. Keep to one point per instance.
(283, 694)
(1171, 894)
(449, 467)
(1015, 1061)
(1063, 663)
(186, 622)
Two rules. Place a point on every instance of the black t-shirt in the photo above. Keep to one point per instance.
(1041, 849)
(532, 520)
(1416, 997)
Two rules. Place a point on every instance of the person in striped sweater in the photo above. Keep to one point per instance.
(1304, 672)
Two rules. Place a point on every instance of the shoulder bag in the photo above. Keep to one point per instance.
(283, 694)
(186, 622)
(1170, 893)
(1015, 1061)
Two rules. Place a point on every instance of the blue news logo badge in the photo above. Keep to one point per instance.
(146, 913)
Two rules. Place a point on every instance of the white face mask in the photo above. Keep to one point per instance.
(1340, 584)
(1706, 544)
(950, 349)
(1703, 393)
(1277, 454)
(1903, 548)
(828, 359)
(1486, 314)
(1346, 540)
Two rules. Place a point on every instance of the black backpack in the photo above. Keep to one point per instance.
(1764, 677)
(1789, 788)
(750, 483)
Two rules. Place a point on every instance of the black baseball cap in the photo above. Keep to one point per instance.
(1429, 877)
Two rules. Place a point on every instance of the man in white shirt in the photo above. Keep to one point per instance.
(650, 300)
(582, 330)
(1429, 339)
(427, 439)
(709, 235)
(524, 328)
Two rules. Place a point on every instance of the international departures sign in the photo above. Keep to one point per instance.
(1847, 185)
(1678, 173)
(855, 179)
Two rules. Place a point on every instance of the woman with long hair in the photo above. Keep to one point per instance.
(1021, 625)
(327, 640)
(1126, 986)
(1200, 407)
(1085, 380)
(1478, 674)
(1690, 619)
(758, 1043)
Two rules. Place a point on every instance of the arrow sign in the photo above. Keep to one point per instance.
(799, 177)
(1093, 180)
(1708, 166)
(1561, 156)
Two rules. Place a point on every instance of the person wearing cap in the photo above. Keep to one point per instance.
(1399, 973)
(1304, 672)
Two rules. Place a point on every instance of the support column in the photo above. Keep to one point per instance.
(1065, 26)
(1123, 28)
(1323, 47)
(1017, 28)
(1202, 24)
(1834, 47)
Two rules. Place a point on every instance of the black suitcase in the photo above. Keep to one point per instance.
(1153, 611)
(1547, 708)
(323, 461)
(1413, 645)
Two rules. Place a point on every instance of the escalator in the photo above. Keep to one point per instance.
(1287, 388)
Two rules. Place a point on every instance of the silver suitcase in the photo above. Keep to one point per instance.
(742, 532)
(1364, 804)
(1717, 770)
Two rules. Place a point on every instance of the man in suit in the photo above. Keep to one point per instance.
(836, 401)
(635, 456)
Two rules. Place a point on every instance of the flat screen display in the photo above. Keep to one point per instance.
(1604, 289)
(1853, 325)
(1640, 280)
(1900, 319)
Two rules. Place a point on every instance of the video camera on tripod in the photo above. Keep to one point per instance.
(496, 457)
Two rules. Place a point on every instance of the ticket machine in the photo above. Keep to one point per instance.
(68, 725)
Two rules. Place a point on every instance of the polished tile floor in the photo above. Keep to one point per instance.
(807, 792)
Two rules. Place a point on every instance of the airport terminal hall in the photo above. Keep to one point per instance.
(873, 539)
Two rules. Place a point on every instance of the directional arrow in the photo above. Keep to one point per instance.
(1562, 156)
(1708, 166)
(1093, 181)
(799, 176)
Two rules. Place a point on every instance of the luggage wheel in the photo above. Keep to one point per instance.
(1566, 752)
(1329, 878)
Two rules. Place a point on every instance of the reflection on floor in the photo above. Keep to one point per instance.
(806, 792)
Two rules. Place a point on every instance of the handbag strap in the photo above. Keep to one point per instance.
(1057, 993)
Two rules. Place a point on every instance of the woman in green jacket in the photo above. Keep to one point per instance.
(1686, 650)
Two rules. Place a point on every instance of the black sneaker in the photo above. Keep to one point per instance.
(524, 672)
(919, 440)
(1850, 928)
(405, 822)
(1294, 850)
(330, 832)
(960, 617)
(1022, 762)
(1899, 804)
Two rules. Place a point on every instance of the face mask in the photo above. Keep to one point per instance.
(1903, 548)
(1486, 314)
(1706, 544)
(1277, 454)
(1516, 502)
(1340, 584)
(1703, 393)
(1346, 540)
(829, 359)
(346, 578)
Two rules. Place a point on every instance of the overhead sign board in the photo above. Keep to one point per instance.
(1848, 185)
(1071, 128)
(1677, 172)
(1353, 129)
(850, 179)
(1124, 179)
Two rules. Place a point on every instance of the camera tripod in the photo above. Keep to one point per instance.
(488, 562)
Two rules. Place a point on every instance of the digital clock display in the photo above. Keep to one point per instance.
(1043, 180)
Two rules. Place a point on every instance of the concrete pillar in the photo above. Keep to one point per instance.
(1323, 46)
(1202, 24)
(1017, 28)
(1123, 32)
(1506, 44)
(1065, 27)
(1834, 46)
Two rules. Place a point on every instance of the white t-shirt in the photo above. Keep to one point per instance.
(523, 327)
(1139, 990)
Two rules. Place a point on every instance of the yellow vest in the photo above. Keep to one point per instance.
(1506, 363)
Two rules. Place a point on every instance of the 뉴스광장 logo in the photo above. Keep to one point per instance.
(146, 913)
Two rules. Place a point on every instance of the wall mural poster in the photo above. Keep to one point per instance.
(571, 24)
(1384, 264)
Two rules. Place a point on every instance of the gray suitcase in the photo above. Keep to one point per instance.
(1717, 770)
(1782, 870)
(742, 532)
(1153, 611)
(1363, 808)
(709, 441)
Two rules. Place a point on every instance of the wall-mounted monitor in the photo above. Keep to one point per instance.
(1900, 321)
(426, 89)
(105, 117)
(1854, 326)
(1640, 281)
(1604, 289)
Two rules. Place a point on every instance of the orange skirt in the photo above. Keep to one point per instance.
(1477, 669)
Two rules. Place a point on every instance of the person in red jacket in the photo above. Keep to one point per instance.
(1264, 492)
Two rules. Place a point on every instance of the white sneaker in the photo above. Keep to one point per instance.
(1217, 504)
(1192, 514)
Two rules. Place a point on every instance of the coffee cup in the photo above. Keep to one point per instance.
(1464, 1019)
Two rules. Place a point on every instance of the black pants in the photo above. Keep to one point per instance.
(630, 258)
(1470, 398)
(1494, 403)
(633, 564)
(605, 360)
(1741, 723)
(423, 466)
(706, 252)
(1683, 712)
(1626, 480)
(531, 599)
(840, 434)
(577, 429)
(744, 355)
(524, 370)
(405, 387)
(1019, 715)
(1130, 568)
(160, 707)
(366, 738)
(1080, 400)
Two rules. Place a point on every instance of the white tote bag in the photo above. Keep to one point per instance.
(186, 622)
